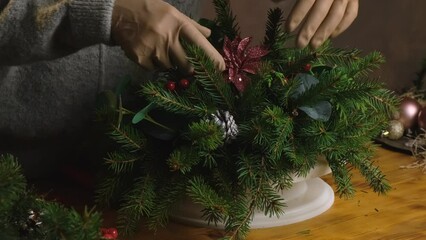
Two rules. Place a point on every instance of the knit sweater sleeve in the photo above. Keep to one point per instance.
(33, 30)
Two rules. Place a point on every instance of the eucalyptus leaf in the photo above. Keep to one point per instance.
(306, 81)
(320, 111)
(141, 115)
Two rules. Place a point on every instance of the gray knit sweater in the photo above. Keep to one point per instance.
(52, 63)
(54, 59)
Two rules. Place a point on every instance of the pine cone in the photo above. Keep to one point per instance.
(226, 121)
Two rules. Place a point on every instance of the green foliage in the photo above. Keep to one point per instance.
(172, 102)
(287, 117)
(226, 19)
(210, 79)
(139, 201)
(12, 183)
(23, 215)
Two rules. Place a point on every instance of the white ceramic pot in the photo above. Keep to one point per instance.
(309, 197)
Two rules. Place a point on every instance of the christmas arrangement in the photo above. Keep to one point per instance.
(230, 140)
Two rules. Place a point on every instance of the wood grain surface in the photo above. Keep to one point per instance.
(400, 215)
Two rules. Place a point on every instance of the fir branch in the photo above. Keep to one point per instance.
(172, 102)
(12, 183)
(215, 208)
(273, 27)
(239, 223)
(332, 57)
(136, 203)
(255, 133)
(59, 222)
(121, 162)
(167, 196)
(383, 101)
(276, 37)
(225, 19)
(293, 60)
(374, 177)
(128, 137)
(270, 202)
(210, 78)
(183, 159)
(249, 169)
(206, 135)
(83, 226)
(109, 189)
(365, 65)
(320, 134)
(209, 159)
(363, 96)
(282, 127)
(341, 174)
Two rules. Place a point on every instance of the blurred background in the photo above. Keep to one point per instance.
(395, 28)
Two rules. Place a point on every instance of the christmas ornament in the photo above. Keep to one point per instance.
(395, 130)
(241, 59)
(226, 121)
(307, 67)
(184, 83)
(109, 233)
(171, 85)
(421, 118)
(31, 223)
(409, 110)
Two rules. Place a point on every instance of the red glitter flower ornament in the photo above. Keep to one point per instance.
(241, 59)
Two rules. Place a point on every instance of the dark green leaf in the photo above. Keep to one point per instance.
(320, 111)
(139, 116)
(306, 82)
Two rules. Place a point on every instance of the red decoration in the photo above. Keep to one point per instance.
(241, 59)
(184, 83)
(409, 111)
(307, 67)
(109, 233)
(171, 85)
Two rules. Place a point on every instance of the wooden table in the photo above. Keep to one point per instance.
(400, 215)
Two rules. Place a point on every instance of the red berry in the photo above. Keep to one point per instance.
(170, 85)
(307, 67)
(184, 83)
(113, 232)
(109, 233)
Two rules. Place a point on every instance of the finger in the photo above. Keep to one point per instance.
(330, 23)
(298, 13)
(350, 14)
(142, 55)
(203, 30)
(161, 60)
(145, 63)
(316, 16)
(190, 33)
(179, 58)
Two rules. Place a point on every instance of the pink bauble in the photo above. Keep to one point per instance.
(409, 111)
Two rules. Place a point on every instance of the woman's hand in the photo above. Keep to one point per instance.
(320, 19)
(149, 32)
